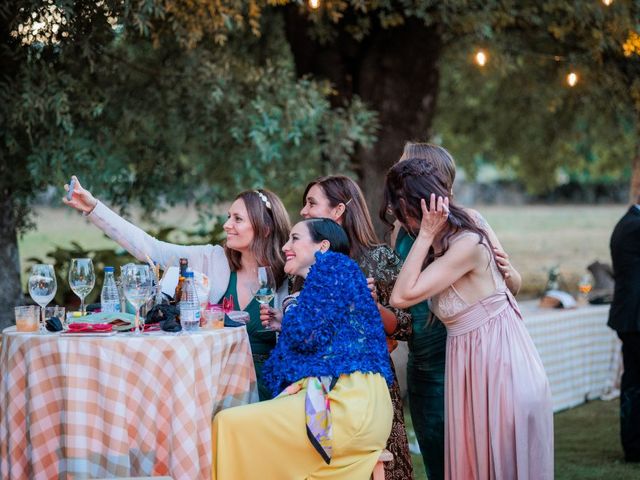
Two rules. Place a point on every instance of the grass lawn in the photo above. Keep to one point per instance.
(587, 445)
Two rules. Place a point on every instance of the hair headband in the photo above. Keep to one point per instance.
(264, 199)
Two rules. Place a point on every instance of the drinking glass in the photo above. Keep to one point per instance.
(584, 287)
(137, 285)
(82, 279)
(42, 288)
(27, 318)
(265, 289)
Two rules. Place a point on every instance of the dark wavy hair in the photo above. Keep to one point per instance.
(411, 180)
(356, 219)
(326, 229)
(271, 227)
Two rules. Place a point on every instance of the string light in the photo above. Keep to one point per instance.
(572, 79)
(607, 2)
(481, 58)
(315, 4)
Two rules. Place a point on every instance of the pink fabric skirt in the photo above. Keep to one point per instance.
(498, 410)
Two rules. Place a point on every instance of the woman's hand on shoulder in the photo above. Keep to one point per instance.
(81, 199)
(435, 217)
(271, 318)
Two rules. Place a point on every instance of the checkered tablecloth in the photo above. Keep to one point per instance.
(580, 354)
(91, 407)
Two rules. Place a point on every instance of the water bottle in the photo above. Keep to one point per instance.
(109, 298)
(189, 305)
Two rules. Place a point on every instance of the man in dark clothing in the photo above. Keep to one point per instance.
(624, 318)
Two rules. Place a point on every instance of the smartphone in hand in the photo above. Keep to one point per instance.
(72, 185)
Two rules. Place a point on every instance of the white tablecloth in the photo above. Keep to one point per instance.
(581, 355)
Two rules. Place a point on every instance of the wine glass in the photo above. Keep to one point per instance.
(137, 287)
(584, 287)
(82, 279)
(265, 289)
(42, 288)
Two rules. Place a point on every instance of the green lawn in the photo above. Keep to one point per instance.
(587, 445)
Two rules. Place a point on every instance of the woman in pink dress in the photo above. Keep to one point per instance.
(498, 411)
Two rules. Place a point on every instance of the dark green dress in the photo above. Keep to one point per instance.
(425, 377)
(262, 342)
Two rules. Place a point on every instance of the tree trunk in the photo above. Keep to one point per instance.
(394, 70)
(10, 289)
(14, 177)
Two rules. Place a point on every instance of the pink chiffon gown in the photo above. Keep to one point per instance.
(498, 410)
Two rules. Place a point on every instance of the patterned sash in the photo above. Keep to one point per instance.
(317, 408)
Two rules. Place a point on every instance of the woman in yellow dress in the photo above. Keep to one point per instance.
(330, 371)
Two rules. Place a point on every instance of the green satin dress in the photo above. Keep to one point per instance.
(262, 342)
(425, 377)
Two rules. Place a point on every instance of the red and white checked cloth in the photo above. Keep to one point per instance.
(87, 407)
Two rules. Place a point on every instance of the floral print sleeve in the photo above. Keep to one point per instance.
(383, 264)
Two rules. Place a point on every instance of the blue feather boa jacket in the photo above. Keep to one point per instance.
(334, 329)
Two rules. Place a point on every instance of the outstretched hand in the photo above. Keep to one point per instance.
(435, 217)
(81, 199)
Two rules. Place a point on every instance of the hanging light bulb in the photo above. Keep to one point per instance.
(572, 79)
(315, 4)
(607, 2)
(481, 58)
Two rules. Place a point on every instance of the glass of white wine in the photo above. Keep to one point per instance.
(42, 288)
(82, 279)
(265, 289)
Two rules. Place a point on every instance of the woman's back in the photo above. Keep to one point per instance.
(479, 283)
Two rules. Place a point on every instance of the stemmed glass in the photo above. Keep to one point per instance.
(265, 289)
(137, 287)
(82, 279)
(42, 288)
(584, 286)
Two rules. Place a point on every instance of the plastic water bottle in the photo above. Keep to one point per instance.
(109, 298)
(189, 305)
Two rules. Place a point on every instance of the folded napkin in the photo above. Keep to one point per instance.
(90, 327)
(317, 408)
(119, 320)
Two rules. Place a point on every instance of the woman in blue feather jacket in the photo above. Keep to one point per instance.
(330, 371)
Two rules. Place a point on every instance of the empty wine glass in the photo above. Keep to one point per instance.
(137, 287)
(265, 289)
(42, 288)
(82, 279)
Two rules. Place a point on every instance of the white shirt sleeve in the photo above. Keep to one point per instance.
(208, 259)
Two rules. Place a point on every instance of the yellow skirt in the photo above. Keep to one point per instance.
(268, 440)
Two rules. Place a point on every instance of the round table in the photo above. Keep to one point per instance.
(98, 406)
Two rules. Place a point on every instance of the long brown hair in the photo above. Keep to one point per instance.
(356, 219)
(411, 180)
(271, 226)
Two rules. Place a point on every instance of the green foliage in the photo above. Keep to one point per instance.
(518, 112)
(140, 118)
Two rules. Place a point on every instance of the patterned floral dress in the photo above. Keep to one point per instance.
(383, 264)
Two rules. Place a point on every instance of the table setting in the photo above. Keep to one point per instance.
(113, 393)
